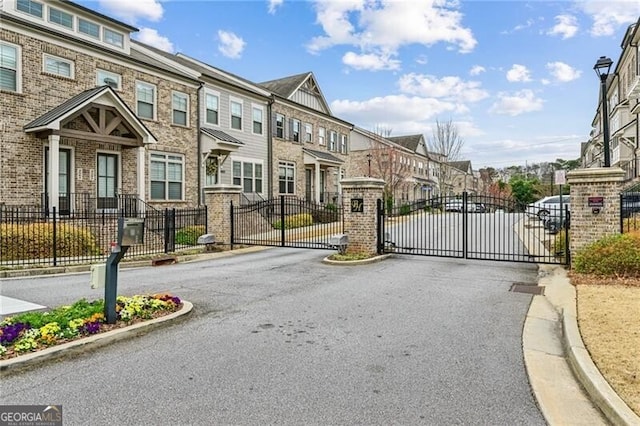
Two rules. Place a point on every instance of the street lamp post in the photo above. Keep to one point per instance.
(602, 67)
(369, 161)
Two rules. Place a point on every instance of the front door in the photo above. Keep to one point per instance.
(64, 176)
(107, 181)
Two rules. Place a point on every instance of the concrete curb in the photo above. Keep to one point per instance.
(601, 393)
(91, 342)
(356, 262)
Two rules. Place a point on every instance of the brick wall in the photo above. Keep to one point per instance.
(362, 227)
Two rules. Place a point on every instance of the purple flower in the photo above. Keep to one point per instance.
(176, 300)
(10, 332)
(91, 327)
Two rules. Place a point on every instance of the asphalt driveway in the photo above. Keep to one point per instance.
(278, 337)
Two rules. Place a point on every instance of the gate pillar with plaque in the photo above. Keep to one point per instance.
(361, 195)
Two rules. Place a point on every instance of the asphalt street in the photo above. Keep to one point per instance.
(278, 337)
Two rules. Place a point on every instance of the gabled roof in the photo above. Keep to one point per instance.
(52, 119)
(464, 166)
(286, 87)
(322, 155)
(410, 141)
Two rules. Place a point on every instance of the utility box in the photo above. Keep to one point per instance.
(132, 232)
(339, 242)
(96, 279)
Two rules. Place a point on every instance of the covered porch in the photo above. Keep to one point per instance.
(323, 172)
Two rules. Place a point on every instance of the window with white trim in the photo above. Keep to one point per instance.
(286, 177)
(146, 100)
(257, 120)
(9, 67)
(211, 109)
(60, 17)
(236, 114)
(343, 143)
(249, 175)
(166, 177)
(280, 119)
(333, 140)
(107, 78)
(29, 6)
(321, 135)
(114, 38)
(88, 28)
(308, 132)
(295, 130)
(58, 66)
(180, 108)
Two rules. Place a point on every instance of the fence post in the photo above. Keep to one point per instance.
(282, 218)
(55, 238)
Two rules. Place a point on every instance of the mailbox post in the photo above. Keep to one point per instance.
(130, 232)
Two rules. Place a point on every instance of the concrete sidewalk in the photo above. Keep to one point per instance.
(569, 388)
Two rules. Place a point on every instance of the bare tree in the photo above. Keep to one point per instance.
(391, 165)
(447, 143)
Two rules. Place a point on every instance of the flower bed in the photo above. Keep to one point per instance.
(33, 331)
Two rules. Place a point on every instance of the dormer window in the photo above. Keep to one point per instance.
(113, 38)
(59, 17)
(31, 7)
(88, 28)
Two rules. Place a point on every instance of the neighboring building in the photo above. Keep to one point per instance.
(461, 176)
(425, 169)
(310, 146)
(89, 118)
(623, 104)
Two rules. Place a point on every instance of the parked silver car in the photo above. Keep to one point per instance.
(549, 206)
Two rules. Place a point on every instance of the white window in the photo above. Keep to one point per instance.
(321, 135)
(257, 120)
(308, 132)
(88, 28)
(211, 171)
(286, 178)
(211, 109)
(60, 17)
(109, 79)
(180, 107)
(58, 66)
(343, 144)
(146, 100)
(113, 38)
(31, 7)
(295, 130)
(280, 119)
(9, 67)
(236, 115)
(166, 176)
(249, 175)
(333, 140)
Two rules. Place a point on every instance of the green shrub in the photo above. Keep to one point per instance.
(62, 314)
(295, 221)
(405, 209)
(188, 236)
(35, 241)
(612, 256)
(331, 207)
(559, 243)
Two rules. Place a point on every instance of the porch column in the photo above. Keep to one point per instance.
(338, 179)
(317, 166)
(54, 172)
(140, 170)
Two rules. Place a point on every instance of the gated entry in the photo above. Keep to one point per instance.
(475, 227)
(286, 222)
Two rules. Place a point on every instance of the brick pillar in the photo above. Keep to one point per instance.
(361, 226)
(218, 200)
(590, 223)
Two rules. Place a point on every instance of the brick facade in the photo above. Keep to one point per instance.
(361, 228)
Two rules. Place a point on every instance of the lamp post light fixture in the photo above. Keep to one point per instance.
(602, 68)
(369, 161)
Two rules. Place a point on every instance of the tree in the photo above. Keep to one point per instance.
(387, 164)
(447, 143)
(524, 190)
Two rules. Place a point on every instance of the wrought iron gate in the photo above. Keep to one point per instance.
(475, 227)
(286, 222)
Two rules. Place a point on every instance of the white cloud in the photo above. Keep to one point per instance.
(130, 10)
(230, 45)
(518, 73)
(516, 103)
(151, 37)
(385, 26)
(608, 16)
(451, 88)
(566, 26)
(562, 72)
(370, 61)
(273, 5)
(519, 27)
(477, 69)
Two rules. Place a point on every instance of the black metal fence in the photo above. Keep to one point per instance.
(286, 222)
(475, 227)
(30, 236)
(630, 209)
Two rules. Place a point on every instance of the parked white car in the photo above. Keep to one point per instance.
(549, 206)
(457, 205)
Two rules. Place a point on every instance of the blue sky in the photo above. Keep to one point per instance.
(515, 76)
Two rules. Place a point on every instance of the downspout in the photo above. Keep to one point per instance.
(269, 150)
(199, 155)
